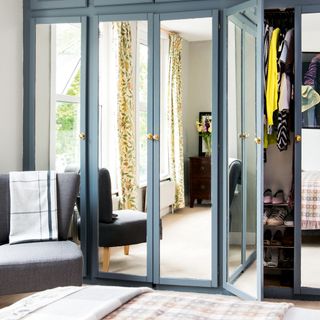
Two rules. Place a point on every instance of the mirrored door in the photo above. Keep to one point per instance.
(123, 148)
(60, 124)
(242, 267)
(310, 158)
(186, 142)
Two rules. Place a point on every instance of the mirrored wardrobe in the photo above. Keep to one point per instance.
(59, 109)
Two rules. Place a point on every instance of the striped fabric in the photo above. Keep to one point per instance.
(283, 136)
(33, 206)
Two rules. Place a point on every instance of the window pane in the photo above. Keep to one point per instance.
(67, 130)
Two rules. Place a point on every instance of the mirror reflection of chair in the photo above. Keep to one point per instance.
(117, 228)
(234, 177)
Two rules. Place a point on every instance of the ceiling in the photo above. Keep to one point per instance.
(190, 29)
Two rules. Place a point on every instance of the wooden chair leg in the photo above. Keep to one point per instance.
(126, 250)
(105, 259)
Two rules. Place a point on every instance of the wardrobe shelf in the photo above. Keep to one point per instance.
(281, 226)
(277, 268)
(279, 247)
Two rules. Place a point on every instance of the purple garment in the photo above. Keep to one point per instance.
(310, 76)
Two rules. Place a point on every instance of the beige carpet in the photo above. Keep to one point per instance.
(185, 248)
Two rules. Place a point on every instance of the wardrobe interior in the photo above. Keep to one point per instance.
(279, 148)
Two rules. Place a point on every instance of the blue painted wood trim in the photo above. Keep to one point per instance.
(215, 148)
(186, 15)
(297, 151)
(55, 20)
(185, 282)
(123, 17)
(98, 3)
(150, 168)
(93, 147)
(223, 155)
(310, 8)
(276, 4)
(83, 144)
(49, 4)
(29, 54)
(156, 151)
(121, 277)
(137, 8)
(260, 151)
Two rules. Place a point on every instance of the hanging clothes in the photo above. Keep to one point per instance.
(287, 53)
(272, 79)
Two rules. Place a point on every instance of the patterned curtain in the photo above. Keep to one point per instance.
(126, 118)
(175, 127)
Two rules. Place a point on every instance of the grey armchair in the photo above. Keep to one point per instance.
(35, 266)
(119, 228)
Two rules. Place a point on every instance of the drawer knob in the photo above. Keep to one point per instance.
(202, 187)
(202, 168)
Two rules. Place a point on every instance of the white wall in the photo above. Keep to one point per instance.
(196, 91)
(310, 149)
(11, 84)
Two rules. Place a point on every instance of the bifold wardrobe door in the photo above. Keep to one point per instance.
(186, 150)
(59, 105)
(123, 148)
(307, 140)
(242, 156)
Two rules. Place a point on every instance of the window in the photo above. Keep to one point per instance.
(65, 95)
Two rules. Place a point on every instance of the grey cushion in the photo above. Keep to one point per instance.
(129, 228)
(4, 208)
(67, 190)
(36, 266)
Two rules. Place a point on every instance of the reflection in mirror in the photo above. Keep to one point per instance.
(242, 158)
(57, 105)
(310, 165)
(123, 67)
(185, 171)
(57, 101)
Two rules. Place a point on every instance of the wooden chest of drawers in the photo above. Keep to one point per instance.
(200, 179)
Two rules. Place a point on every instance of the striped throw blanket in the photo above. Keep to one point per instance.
(33, 206)
(177, 305)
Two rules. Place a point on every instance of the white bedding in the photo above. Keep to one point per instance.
(95, 302)
(302, 314)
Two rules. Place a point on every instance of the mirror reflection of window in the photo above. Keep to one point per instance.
(123, 103)
(58, 67)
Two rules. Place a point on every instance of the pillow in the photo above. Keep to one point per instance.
(33, 206)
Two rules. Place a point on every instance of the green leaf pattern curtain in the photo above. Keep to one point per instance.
(126, 118)
(175, 127)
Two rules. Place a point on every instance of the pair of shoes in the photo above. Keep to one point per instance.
(286, 259)
(275, 240)
(288, 238)
(277, 217)
(278, 197)
(271, 258)
(288, 221)
(266, 215)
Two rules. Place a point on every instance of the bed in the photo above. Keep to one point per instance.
(119, 303)
(310, 200)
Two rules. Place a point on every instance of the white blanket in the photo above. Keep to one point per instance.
(71, 303)
(33, 206)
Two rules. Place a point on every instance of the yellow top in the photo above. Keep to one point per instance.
(272, 80)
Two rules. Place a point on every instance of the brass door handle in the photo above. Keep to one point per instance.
(244, 135)
(150, 136)
(156, 137)
(82, 136)
(257, 140)
(298, 138)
